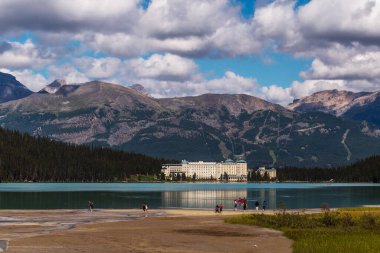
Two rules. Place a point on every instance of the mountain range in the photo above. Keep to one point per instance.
(327, 129)
(361, 106)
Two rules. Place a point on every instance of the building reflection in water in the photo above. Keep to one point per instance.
(263, 194)
(202, 198)
(209, 198)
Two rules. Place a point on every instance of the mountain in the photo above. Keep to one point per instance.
(11, 89)
(54, 86)
(210, 127)
(362, 106)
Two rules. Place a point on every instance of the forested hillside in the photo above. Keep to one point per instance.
(209, 127)
(367, 170)
(27, 158)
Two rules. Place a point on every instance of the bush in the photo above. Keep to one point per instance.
(347, 220)
(368, 221)
(330, 219)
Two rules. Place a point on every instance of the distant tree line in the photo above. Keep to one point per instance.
(27, 158)
(366, 170)
(253, 176)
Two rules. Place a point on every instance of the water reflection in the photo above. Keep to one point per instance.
(191, 196)
(202, 198)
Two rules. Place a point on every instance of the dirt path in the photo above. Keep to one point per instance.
(178, 233)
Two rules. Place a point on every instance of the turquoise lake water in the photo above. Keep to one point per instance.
(183, 195)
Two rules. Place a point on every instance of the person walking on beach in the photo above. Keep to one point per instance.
(217, 208)
(235, 204)
(264, 205)
(221, 208)
(144, 207)
(244, 205)
(257, 204)
(90, 206)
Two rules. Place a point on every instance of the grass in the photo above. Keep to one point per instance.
(342, 231)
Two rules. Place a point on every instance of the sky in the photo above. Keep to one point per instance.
(278, 50)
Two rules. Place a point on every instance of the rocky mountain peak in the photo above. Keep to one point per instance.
(54, 86)
(327, 101)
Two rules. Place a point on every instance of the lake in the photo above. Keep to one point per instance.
(183, 195)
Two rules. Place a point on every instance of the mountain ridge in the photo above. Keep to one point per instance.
(209, 127)
(361, 106)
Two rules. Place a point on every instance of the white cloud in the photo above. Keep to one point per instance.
(285, 95)
(67, 72)
(276, 94)
(277, 23)
(342, 38)
(341, 21)
(99, 68)
(166, 67)
(230, 83)
(176, 18)
(22, 55)
(187, 28)
(347, 64)
(118, 44)
(305, 88)
(68, 15)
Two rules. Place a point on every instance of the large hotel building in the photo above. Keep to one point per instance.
(236, 171)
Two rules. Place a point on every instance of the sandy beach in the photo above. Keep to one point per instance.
(173, 230)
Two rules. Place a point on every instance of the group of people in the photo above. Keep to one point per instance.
(257, 205)
(219, 208)
(90, 206)
(241, 203)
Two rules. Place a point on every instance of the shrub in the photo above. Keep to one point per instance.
(330, 219)
(368, 221)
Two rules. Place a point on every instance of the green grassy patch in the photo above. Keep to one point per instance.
(346, 230)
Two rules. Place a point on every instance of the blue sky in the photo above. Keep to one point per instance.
(275, 68)
(278, 50)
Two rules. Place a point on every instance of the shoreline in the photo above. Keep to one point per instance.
(40, 230)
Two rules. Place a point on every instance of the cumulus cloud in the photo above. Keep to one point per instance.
(350, 64)
(67, 72)
(341, 21)
(166, 67)
(22, 55)
(341, 37)
(68, 15)
(176, 18)
(230, 83)
(276, 94)
(98, 68)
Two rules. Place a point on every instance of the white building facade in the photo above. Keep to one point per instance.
(272, 173)
(234, 171)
